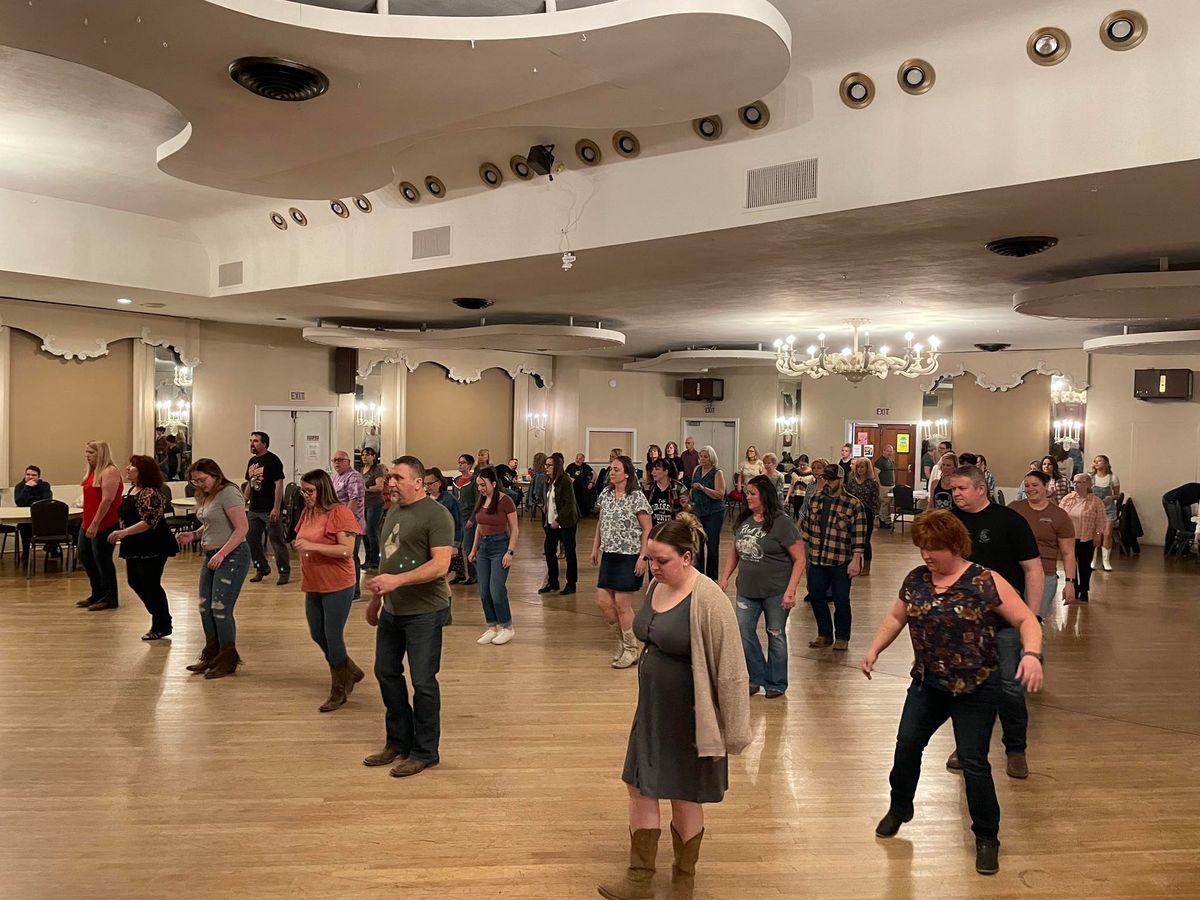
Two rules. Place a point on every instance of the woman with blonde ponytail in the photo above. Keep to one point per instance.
(693, 709)
(102, 489)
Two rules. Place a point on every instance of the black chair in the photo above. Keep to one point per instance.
(48, 522)
(1180, 529)
(903, 505)
(178, 523)
(5, 531)
(1000, 496)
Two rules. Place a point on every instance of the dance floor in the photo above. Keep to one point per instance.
(122, 775)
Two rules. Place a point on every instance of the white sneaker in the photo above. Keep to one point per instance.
(488, 636)
(504, 635)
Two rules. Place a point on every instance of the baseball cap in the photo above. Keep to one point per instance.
(832, 472)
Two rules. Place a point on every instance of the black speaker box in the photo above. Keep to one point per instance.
(345, 369)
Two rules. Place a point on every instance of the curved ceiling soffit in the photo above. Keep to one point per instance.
(1004, 375)
(1120, 297)
(639, 66)
(76, 334)
(509, 337)
(685, 361)
(464, 366)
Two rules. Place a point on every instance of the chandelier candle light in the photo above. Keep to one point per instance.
(859, 361)
(368, 414)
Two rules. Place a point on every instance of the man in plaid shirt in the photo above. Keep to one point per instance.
(833, 533)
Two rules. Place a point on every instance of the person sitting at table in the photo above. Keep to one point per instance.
(30, 490)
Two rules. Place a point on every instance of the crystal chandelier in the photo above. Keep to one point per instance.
(368, 414)
(858, 361)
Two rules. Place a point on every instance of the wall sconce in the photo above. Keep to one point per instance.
(786, 425)
(1067, 430)
(176, 415)
(935, 430)
(537, 423)
(368, 414)
(183, 376)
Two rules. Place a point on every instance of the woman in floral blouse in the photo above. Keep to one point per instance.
(619, 549)
(952, 607)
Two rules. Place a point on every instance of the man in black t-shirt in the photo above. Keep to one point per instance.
(264, 490)
(581, 482)
(1001, 540)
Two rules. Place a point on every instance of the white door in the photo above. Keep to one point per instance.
(301, 438)
(721, 435)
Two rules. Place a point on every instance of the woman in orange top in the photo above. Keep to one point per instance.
(325, 539)
(102, 488)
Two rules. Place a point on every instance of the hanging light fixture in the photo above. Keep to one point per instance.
(859, 361)
(935, 430)
(1067, 430)
(786, 425)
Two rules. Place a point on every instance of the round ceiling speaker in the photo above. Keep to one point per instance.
(626, 143)
(756, 115)
(1024, 245)
(409, 192)
(279, 221)
(490, 174)
(434, 187)
(339, 209)
(1048, 46)
(278, 79)
(297, 216)
(520, 167)
(588, 152)
(1123, 30)
(857, 90)
(708, 128)
(363, 204)
(915, 76)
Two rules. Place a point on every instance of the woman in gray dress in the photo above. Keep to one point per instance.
(693, 710)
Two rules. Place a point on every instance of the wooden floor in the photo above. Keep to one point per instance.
(121, 775)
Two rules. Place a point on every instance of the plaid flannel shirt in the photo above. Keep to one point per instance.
(1088, 522)
(833, 529)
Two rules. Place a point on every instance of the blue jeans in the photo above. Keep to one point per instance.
(96, 554)
(493, 579)
(973, 716)
(374, 516)
(708, 560)
(822, 579)
(219, 592)
(1049, 590)
(770, 672)
(412, 730)
(327, 615)
(1014, 716)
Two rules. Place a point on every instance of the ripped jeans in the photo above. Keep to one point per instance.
(219, 592)
(770, 672)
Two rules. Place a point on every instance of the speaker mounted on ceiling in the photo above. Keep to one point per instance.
(857, 90)
(274, 78)
(755, 116)
(708, 128)
(1022, 246)
(626, 144)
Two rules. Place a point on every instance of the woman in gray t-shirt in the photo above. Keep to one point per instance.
(767, 553)
(221, 509)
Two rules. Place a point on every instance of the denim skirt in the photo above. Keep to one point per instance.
(617, 573)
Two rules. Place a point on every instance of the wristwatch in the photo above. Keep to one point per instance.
(1036, 656)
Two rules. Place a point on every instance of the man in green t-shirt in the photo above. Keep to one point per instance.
(417, 541)
(886, 466)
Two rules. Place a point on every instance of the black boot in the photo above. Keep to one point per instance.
(987, 856)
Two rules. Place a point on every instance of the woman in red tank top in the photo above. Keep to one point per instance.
(102, 489)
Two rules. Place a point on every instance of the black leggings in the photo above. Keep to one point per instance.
(145, 577)
(1084, 551)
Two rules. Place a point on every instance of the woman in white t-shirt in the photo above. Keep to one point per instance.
(751, 467)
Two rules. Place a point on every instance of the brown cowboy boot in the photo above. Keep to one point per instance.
(226, 662)
(638, 882)
(339, 676)
(207, 655)
(683, 873)
(356, 675)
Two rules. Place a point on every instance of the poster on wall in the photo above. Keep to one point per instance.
(902, 443)
(869, 450)
(862, 438)
(312, 450)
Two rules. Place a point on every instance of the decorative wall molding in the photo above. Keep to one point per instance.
(1006, 370)
(75, 332)
(463, 366)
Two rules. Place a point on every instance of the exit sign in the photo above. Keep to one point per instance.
(883, 411)
(297, 395)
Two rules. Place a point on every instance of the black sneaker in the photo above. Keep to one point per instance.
(987, 856)
(890, 824)
(259, 576)
(548, 589)
(569, 589)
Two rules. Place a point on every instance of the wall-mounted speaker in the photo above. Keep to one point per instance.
(345, 369)
(711, 389)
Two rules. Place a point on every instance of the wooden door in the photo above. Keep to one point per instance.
(901, 436)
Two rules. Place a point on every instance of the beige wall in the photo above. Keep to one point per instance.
(446, 418)
(1008, 427)
(1152, 445)
(57, 405)
(248, 366)
(829, 405)
(751, 397)
(583, 398)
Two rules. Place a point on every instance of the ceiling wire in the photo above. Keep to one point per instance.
(573, 217)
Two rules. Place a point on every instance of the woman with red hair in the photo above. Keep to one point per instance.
(146, 541)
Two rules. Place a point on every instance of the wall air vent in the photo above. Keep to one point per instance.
(431, 242)
(784, 183)
(229, 274)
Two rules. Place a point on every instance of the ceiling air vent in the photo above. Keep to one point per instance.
(785, 183)
(1026, 245)
(229, 274)
(431, 242)
(278, 79)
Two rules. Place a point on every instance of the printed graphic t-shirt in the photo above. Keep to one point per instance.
(764, 564)
(263, 473)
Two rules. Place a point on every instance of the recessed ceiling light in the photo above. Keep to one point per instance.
(124, 301)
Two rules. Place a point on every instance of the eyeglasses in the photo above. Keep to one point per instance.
(338, 459)
(429, 484)
(308, 492)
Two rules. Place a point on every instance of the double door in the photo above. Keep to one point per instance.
(722, 436)
(897, 435)
(301, 437)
